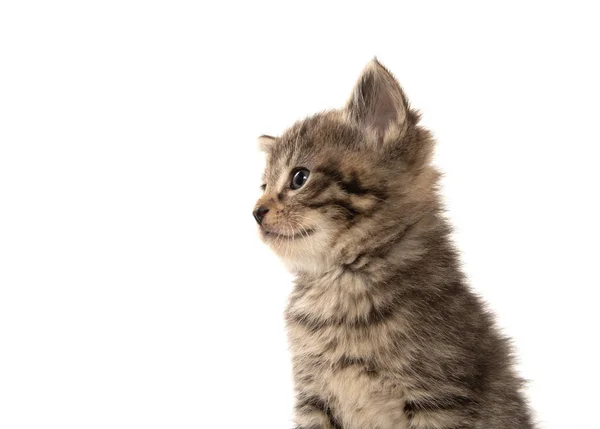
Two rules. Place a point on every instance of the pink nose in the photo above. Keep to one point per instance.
(259, 214)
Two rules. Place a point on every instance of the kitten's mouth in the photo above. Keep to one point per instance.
(275, 235)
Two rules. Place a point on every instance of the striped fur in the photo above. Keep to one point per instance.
(383, 330)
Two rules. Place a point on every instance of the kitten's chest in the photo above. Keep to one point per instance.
(342, 367)
(359, 400)
(343, 318)
(340, 355)
(338, 296)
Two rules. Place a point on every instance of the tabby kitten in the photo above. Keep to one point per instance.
(384, 331)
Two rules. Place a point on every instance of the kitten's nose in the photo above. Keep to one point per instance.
(259, 214)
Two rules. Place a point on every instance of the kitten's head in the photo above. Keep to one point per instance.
(349, 181)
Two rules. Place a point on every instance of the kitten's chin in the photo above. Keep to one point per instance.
(313, 266)
(303, 254)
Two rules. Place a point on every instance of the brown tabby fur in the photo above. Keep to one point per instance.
(384, 332)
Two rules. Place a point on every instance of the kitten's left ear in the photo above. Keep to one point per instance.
(265, 142)
(377, 101)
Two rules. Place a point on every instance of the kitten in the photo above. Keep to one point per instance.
(383, 330)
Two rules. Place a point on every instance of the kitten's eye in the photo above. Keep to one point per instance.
(299, 178)
(263, 186)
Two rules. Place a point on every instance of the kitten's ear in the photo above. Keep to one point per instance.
(377, 101)
(265, 142)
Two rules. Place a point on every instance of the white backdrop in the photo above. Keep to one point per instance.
(134, 292)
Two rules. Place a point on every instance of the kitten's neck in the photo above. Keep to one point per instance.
(421, 260)
(418, 245)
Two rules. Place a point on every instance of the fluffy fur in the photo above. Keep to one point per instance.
(383, 330)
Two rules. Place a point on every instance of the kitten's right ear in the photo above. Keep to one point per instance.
(265, 142)
(377, 101)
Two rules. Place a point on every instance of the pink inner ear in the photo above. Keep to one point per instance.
(386, 112)
(377, 100)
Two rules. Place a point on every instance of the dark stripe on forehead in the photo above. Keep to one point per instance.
(290, 154)
(293, 141)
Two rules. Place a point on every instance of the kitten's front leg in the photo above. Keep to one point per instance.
(313, 413)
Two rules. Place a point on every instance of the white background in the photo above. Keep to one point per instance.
(134, 292)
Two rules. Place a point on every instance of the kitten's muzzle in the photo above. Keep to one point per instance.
(259, 214)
